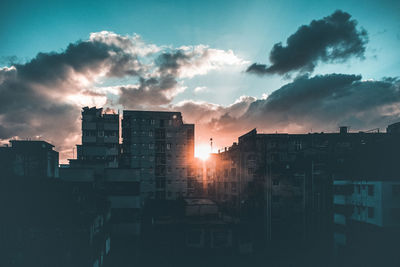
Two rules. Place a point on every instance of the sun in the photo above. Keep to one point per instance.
(202, 152)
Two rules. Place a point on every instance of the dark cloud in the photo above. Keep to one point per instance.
(86, 58)
(33, 94)
(149, 93)
(334, 38)
(323, 103)
(319, 103)
(159, 89)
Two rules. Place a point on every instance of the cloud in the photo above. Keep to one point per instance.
(319, 103)
(161, 85)
(211, 119)
(334, 38)
(200, 89)
(43, 97)
(323, 103)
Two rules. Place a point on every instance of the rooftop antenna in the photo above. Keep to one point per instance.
(211, 143)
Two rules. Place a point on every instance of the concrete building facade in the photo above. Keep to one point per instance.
(100, 139)
(28, 158)
(160, 148)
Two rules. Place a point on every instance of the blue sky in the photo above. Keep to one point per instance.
(249, 28)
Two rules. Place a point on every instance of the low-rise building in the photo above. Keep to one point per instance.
(27, 158)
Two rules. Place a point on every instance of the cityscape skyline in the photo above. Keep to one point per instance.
(199, 133)
(224, 87)
(346, 73)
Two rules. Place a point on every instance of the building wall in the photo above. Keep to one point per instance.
(160, 148)
(361, 202)
(100, 139)
(29, 159)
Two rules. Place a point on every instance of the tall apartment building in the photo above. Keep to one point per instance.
(100, 139)
(160, 147)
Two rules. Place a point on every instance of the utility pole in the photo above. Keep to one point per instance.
(211, 144)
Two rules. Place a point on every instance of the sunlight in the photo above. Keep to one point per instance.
(202, 152)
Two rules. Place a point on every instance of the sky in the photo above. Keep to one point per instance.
(228, 66)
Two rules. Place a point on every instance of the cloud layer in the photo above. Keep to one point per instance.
(42, 98)
(319, 103)
(334, 38)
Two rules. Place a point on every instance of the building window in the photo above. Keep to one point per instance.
(275, 182)
(250, 171)
(357, 188)
(168, 146)
(298, 145)
(226, 186)
(233, 187)
(275, 199)
(151, 146)
(150, 133)
(371, 212)
(396, 190)
(169, 122)
(152, 122)
(370, 190)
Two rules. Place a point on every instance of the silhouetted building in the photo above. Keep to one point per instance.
(45, 221)
(282, 183)
(160, 148)
(186, 230)
(122, 189)
(203, 182)
(100, 140)
(393, 128)
(49, 223)
(367, 206)
(29, 159)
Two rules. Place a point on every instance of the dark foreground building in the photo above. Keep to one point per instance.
(44, 221)
(23, 158)
(283, 184)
